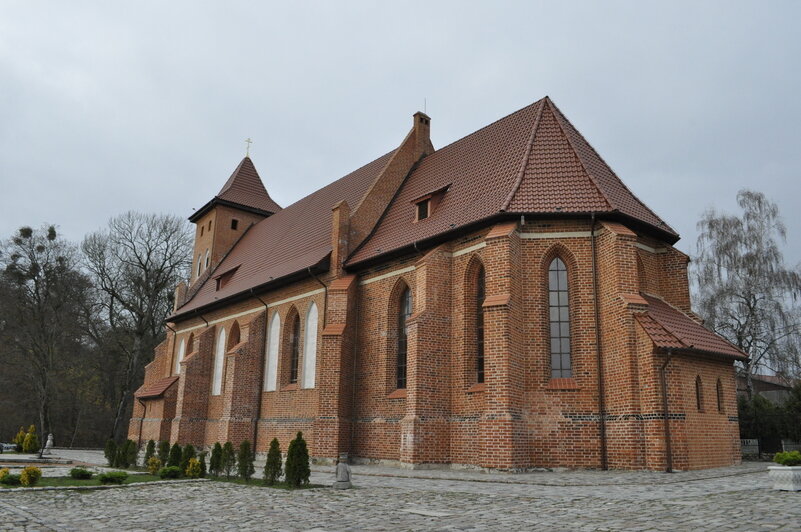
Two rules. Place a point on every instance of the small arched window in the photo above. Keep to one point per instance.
(720, 396)
(480, 295)
(271, 364)
(404, 311)
(294, 350)
(559, 318)
(206, 262)
(180, 356)
(310, 348)
(199, 265)
(219, 358)
(699, 394)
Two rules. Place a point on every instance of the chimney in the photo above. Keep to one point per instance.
(422, 133)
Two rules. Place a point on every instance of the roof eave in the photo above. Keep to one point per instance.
(321, 266)
(694, 352)
(216, 200)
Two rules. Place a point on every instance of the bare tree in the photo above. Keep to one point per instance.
(40, 326)
(135, 264)
(745, 291)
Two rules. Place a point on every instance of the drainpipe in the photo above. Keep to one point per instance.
(261, 378)
(325, 293)
(601, 393)
(141, 422)
(663, 378)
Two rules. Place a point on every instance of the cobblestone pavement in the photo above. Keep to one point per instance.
(737, 498)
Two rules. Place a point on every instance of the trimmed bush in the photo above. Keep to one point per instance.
(19, 439)
(150, 451)
(31, 442)
(228, 460)
(11, 480)
(175, 456)
(153, 465)
(113, 477)
(192, 468)
(215, 463)
(80, 473)
(110, 452)
(296, 469)
(4, 473)
(131, 453)
(164, 451)
(170, 472)
(187, 454)
(244, 461)
(788, 458)
(203, 464)
(272, 469)
(30, 476)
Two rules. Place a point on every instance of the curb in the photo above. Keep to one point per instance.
(105, 486)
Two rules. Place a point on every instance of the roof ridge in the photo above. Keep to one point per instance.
(559, 118)
(524, 162)
(593, 180)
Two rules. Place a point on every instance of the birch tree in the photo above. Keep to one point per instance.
(745, 292)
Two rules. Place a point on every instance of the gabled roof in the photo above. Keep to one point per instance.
(244, 189)
(291, 240)
(670, 328)
(530, 162)
(155, 389)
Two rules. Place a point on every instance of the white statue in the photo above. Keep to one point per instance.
(49, 444)
(343, 474)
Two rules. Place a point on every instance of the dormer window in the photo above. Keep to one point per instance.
(222, 279)
(425, 205)
(423, 209)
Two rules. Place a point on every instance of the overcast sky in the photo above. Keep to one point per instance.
(110, 106)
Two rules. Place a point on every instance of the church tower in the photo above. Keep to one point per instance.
(241, 202)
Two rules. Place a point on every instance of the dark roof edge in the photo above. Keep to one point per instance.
(616, 216)
(692, 351)
(321, 266)
(216, 200)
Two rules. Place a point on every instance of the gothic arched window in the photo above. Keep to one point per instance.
(271, 364)
(310, 348)
(294, 350)
(219, 358)
(206, 262)
(180, 356)
(559, 319)
(480, 295)
(404, 311)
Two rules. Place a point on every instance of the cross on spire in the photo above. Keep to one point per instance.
(247, 148)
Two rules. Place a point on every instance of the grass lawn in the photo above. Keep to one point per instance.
(257, 482)
(69, 481)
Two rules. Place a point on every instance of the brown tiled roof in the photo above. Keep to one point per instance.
(289, 241)
(155, 389)
(670, 328)
(244, 188)
(530, 162)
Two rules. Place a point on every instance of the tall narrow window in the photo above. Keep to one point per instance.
(206, 262)
(180, 356)
(559, 316)
(720, 396)
(699, 396)
(271, 364)
(405, 310)
(199, 265)
(219, 358)
(310, 348)
(480, 294)
(294, 346)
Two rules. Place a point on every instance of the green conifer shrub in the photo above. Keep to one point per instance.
(80, 473)
(170, 472)
(244, 461)
(164, 451)
(19, 439)
(296, 469)
(31, 442)
(187, 454)
(272, 469)
(150, 451)
(110, 452)
(202, 460)
(228, 460)
(215, 462)
(131, 453)
(175, 456)
(113, 477)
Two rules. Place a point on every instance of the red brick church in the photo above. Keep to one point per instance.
(503, 302)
